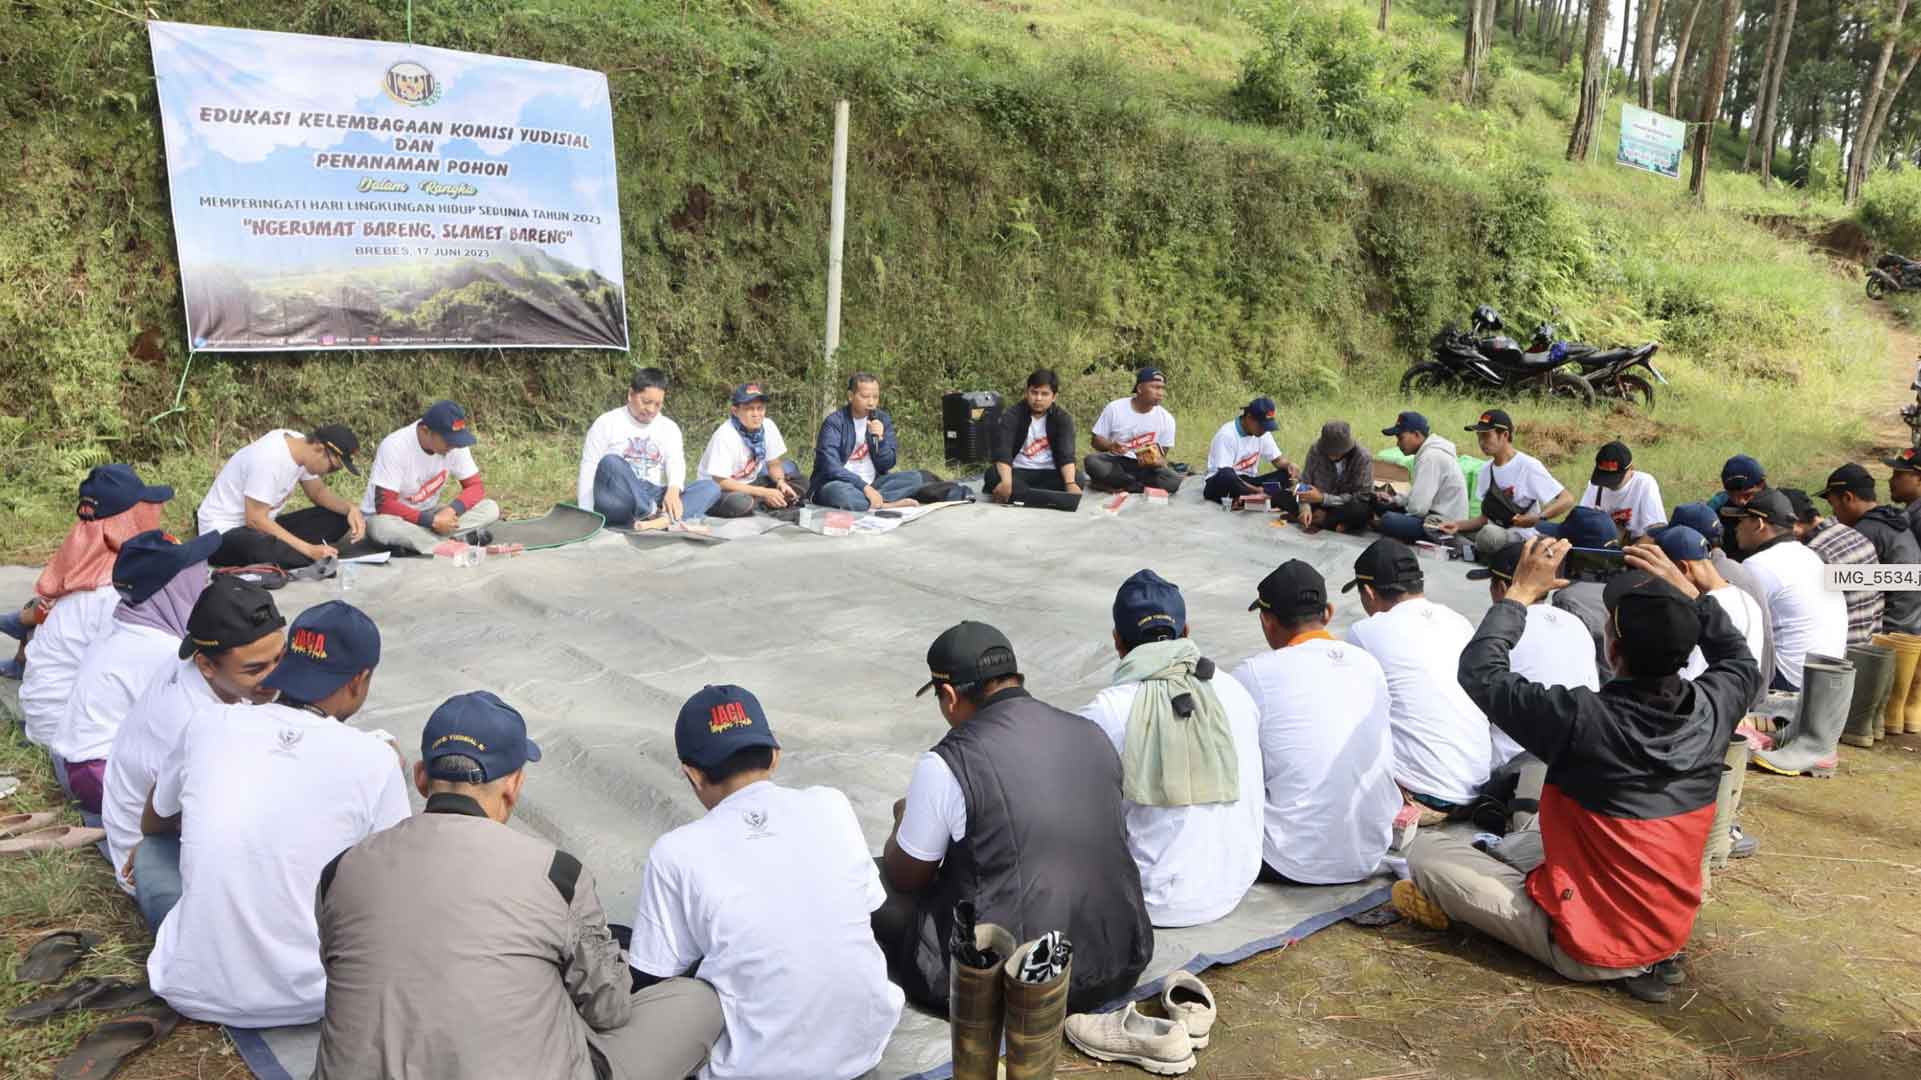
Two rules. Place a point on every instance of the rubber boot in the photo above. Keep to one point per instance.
(1827, 689)
(1906, 655)
(976, 1007)
(1727, 804)
(1873, 676)
(1717, 832)
(1911, 708)
(1036, 1014)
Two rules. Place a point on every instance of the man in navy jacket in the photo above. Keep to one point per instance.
(855, 454)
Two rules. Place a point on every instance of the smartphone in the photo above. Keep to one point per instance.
(1593, 564)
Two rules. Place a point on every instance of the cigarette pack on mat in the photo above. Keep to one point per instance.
(1113, 505)
(1428, 549)
(1155, 496)
(837, 523)
(1251, 502)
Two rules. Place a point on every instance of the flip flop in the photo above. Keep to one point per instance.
(52, 956)
(21, 824)
(99, 995)
(57, 838)
(103, 1050)
(265, 575)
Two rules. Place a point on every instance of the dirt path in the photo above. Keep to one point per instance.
(1886, 428)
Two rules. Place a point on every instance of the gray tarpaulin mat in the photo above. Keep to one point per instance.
(599, 643)
(564, 524)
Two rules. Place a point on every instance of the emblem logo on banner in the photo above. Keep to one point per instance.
(411, 84)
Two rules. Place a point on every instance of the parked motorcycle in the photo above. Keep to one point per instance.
(1485, 358)
(1893, 273)
(1609, 371)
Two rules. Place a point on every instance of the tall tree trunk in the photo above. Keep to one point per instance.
(1627, 21)
(1681, 58)
(1870, 101)
(1771, 94)
(1520, 18)
(1490, 11)
(1567, 40)
(1644, 53)
(1767, 69)
(1878, 122)
(1384, 9)
(1544, 15)
(1593, 69)
(1716, 83)
(1471, 50)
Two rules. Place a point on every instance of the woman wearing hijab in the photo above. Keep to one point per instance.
(74, 598)
(158, 580)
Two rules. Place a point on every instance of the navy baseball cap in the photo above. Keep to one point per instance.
(719, 722)
(330, 644)
(748, 391)
(1263, 409)
(1741, 473)
(968, 653)
(1584, 526)
(1502, 564)
(449, 421)
(148, 561)
(1146, 604)
(1149, 374)
(1493, 420)
(115, 489)
(1700, 517)
(1407, 422)
(480, 726)
(1684, 544)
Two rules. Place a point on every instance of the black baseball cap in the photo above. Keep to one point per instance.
(1908, 460)
(149, 561)
(1850, 478)
(231, 612)
(114, 489)
(1771, 506)
(968, 653)
(1801, 504)
(1146, 604)
(1501, 565)
(449, 421)
(1611, 465)
(1293, 590)
(1406, 422)
(1493, 420)
(331, 643)
(1387, 565)
(748, 391)
(1656, 625)
(1741, 473)
(479, 726)
(342, 441)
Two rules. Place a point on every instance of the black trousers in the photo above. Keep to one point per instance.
(248, 546)
(1118, 472)
(1357, 513)
(894, 923)
(1225, 483)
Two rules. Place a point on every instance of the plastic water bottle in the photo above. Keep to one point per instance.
(473, 556)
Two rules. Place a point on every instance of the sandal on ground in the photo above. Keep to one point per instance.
(104, 1049)
(21, 824)
(54, 955)
(100, 995)
(57, 838)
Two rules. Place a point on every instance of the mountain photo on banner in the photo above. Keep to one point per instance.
(332, 193)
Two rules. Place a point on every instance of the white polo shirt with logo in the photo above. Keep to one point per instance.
(268, 795)
(770, 892)
(416, 476)
(1442, 745)
(1242, 453)
(264, 470)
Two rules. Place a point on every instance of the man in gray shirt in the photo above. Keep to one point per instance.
(456, 947)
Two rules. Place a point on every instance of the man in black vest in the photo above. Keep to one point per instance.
(1017, 809)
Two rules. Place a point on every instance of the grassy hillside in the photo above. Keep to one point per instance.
(1072, 183)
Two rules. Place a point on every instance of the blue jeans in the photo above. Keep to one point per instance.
(623, 498)
(1401, 526)
(841, 495)
(156, 877)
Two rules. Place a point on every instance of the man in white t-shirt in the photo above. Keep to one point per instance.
(1327, 750)
(263, 797)
(1197, 840)
(747, 456)
(1554, 649)
(1239, 449)
(158, 579)
(1630, 497)
(633, 465)
(1511, 480)
(245, 500)
(1132, 439)
(1806, 616)
(409, 474)
(1442, 747)
(769, 894)
(234, 639)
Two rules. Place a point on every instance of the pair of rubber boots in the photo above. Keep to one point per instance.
(1903, 710)
(982, 1002)
(1727, 810)
(1809, 743)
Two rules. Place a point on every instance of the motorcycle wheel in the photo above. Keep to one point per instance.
(1567, 386)
(1877, 287)
(1426, 378)
(1637, 391)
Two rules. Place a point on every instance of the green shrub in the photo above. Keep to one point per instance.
(1891, 209)
(1322, 72)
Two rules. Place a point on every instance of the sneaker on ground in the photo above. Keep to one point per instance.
(1671, 971)
(1649, 986)
(477, 537)
(1187, 1001)
(1160, 1046)
(1741, 845)
(1410, 901)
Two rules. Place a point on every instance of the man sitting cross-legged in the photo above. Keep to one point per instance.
(456, 946)
(1339, 474)
(243, 505)
(1034, 447)
(855, 453)
(1132, 439)
(1612, 889)
(411, 468)
(633, 466)
(1240, 448)
(768, 896)
(1327, 749)
(1190, 760)
(746, 456)
(263, 796)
